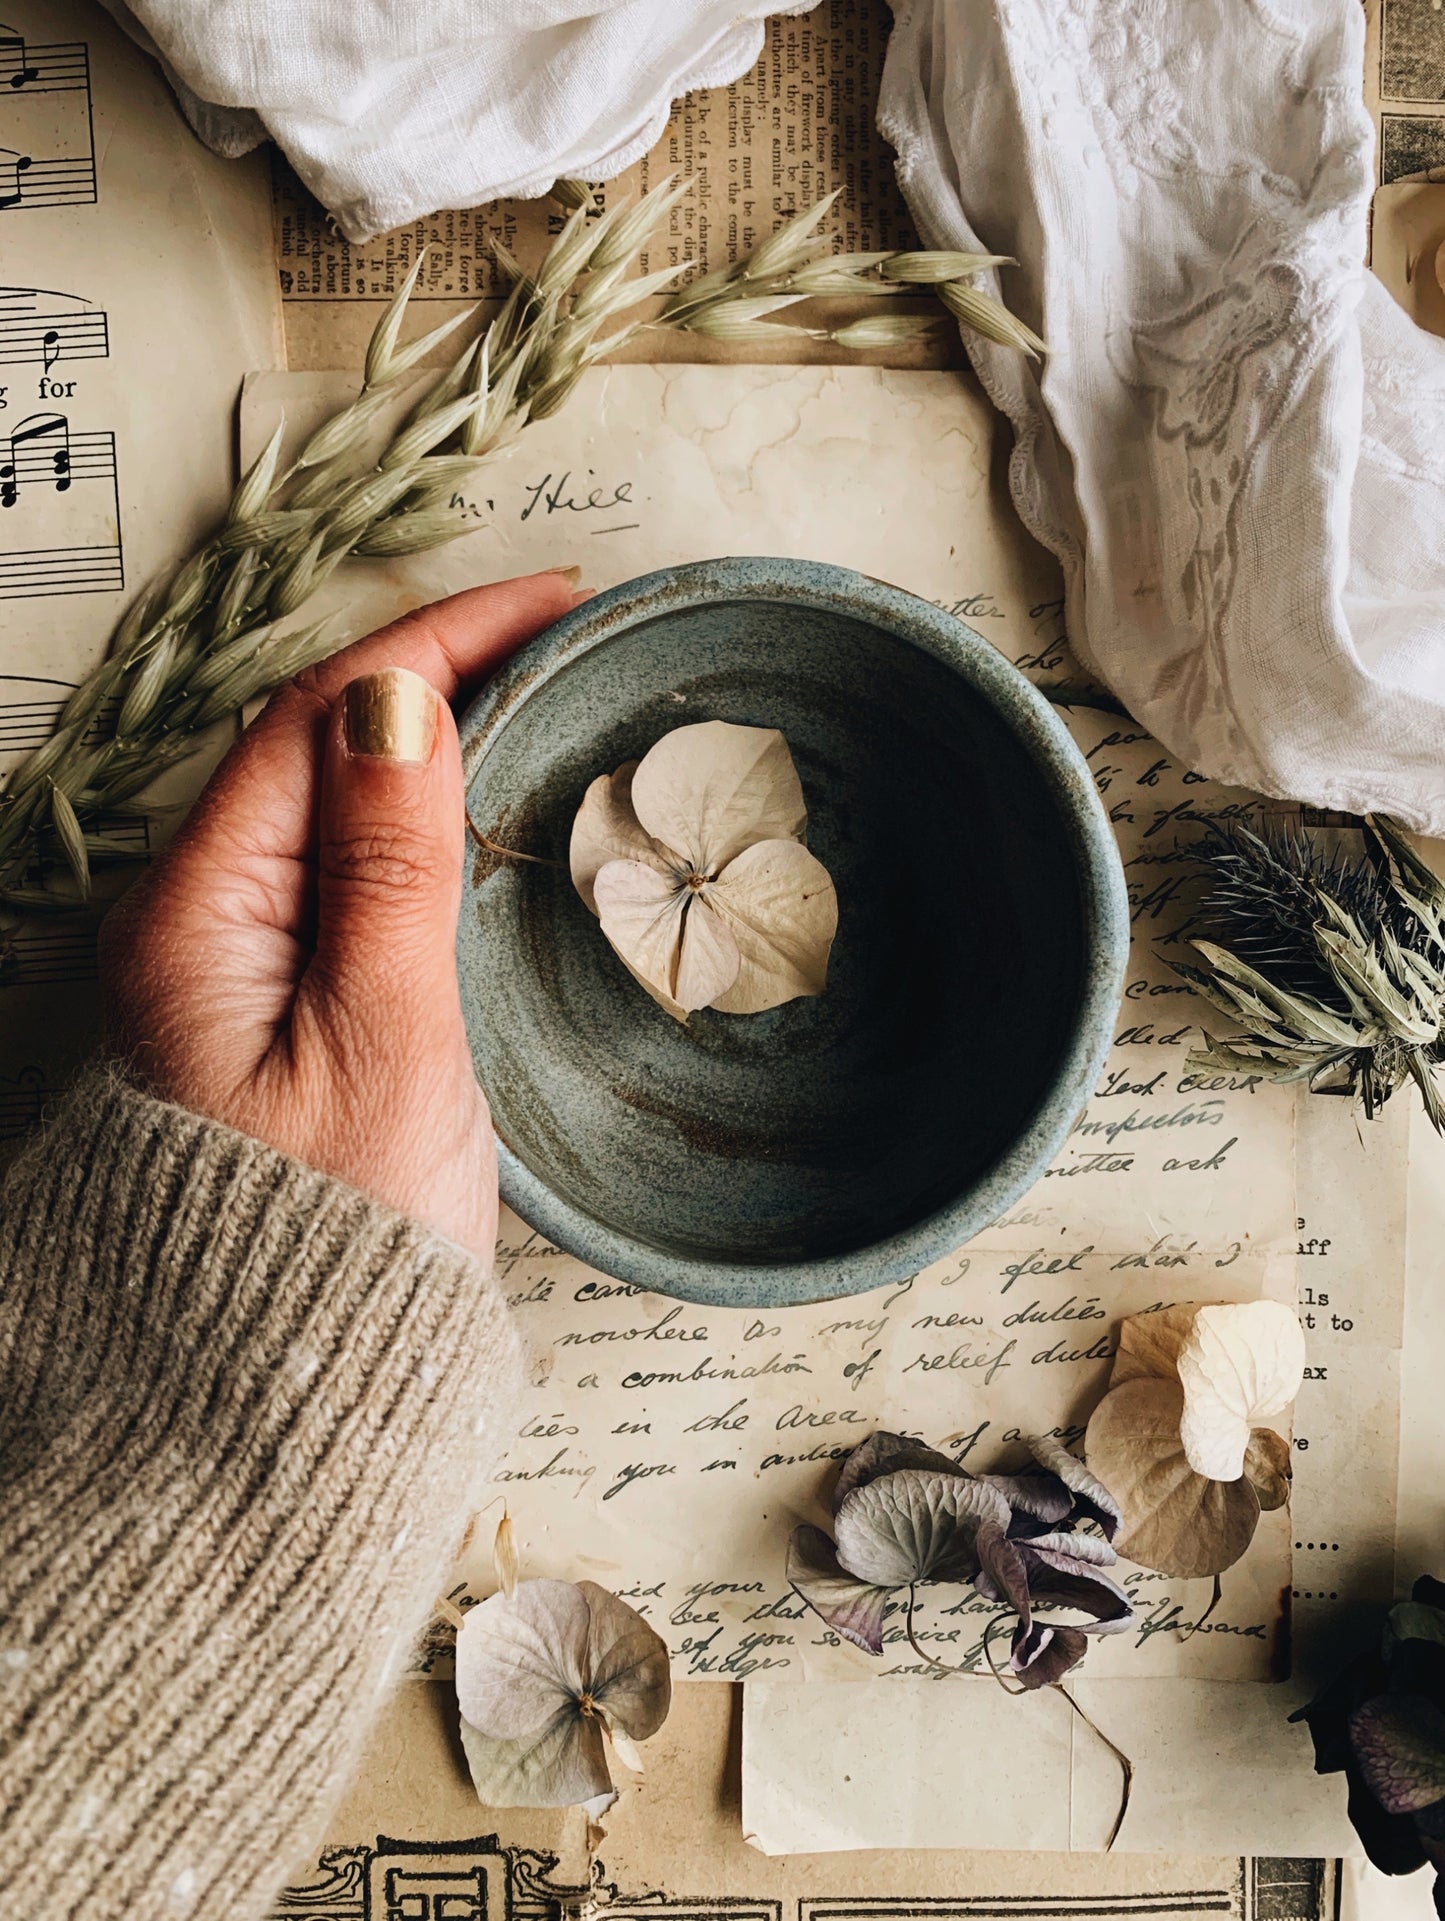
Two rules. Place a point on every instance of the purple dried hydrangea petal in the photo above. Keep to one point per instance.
(1091, 1498)
(915, 1525)
(1041, 1497)
(885, 1453)
(1043, 1654)
(1058, 1580)
(1399, 1742)
(1002, 1574)
(851, 1607)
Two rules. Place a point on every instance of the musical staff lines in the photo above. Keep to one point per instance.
(59, 511)
(23, 1096)
(30, 706)
(48, 957)
(47, 136)
(39, 326)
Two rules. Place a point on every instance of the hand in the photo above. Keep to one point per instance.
(288, 965)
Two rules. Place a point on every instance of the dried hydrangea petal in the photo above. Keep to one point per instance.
(629, 1670)
(1066, 1580)
(1241, 1365)
(522, 1657)
(607, 829)
(1090, 1497)
(1182, 1523)
(781, 910)
(916, 1526)
(560, 1765)
(1399, 1742)
(1043, 1654)
(1267, 1468)
(884, 1453)
(1149, 1345)
(710, 790)
(851, 1607)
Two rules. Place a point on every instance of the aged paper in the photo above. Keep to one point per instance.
(670, 1449)
(411, 1839)
(1215, 1765)
(137, 291)
(797, 127)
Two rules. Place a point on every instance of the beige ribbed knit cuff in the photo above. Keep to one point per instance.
(244, 1413)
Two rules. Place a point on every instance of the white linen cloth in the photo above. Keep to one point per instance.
(390, 109)
(1236, 446)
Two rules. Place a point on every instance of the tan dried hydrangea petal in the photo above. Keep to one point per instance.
(1267, 1468)
(656, 928)
(708, 791)
(781, 910)
(1175, 1520)
(1149, 1345)
(607, 829)
(1241, 1365)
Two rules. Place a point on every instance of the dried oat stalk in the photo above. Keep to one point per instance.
(223, 629)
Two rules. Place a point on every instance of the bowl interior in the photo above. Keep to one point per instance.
(823, 1126)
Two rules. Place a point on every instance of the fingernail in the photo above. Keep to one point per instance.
(392, 715)
(572, 575)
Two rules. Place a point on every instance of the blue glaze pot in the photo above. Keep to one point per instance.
(834, 1144)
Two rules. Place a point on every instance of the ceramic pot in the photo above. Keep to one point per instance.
(837, 1143)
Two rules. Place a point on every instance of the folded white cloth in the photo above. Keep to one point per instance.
(389, 109)
(1236, 445)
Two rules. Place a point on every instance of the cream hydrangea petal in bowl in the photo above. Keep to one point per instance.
(793, 933)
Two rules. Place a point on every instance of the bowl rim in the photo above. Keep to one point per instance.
(1028, 714)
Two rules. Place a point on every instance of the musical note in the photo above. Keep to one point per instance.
(39, 325)
(47, 143)
(14, 70)
(58, 67)
(59, 511)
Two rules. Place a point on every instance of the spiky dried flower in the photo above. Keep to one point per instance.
(1334, 972)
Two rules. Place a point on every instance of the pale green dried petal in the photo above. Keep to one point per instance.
(740, 320)
(405, 358)
(792, 242)
(573, 193)
(145, 686)
(345, 432)
(410, 534)
(916, 1526)
(634, 225)
(562, 1765)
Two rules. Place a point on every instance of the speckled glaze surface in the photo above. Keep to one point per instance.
(835, 1144)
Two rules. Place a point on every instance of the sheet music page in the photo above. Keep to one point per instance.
(669, 1449)
(137, 287)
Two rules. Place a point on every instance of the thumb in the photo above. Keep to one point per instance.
(389, 861)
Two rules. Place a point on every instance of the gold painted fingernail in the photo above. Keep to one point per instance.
(572, 575)
(392, 715)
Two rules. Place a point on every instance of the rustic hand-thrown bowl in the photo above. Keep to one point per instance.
(833, 1144)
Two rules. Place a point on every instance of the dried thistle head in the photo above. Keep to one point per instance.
(1332, 970)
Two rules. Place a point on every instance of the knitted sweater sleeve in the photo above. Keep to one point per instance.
(244, 1413)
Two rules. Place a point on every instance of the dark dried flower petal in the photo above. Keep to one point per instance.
(1062, 1580)
(1092, 1500)
(1399, 1741)
(1043, 1654)
(886, 1453)
(1038, 1497)
(851, 1607)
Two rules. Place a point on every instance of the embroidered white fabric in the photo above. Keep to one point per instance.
(1236, 446)
(389, 109)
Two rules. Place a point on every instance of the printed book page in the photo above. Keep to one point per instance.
(411, 1838)
(797, 127)
(1405, 86)
(137, 286)
(670, 1449)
